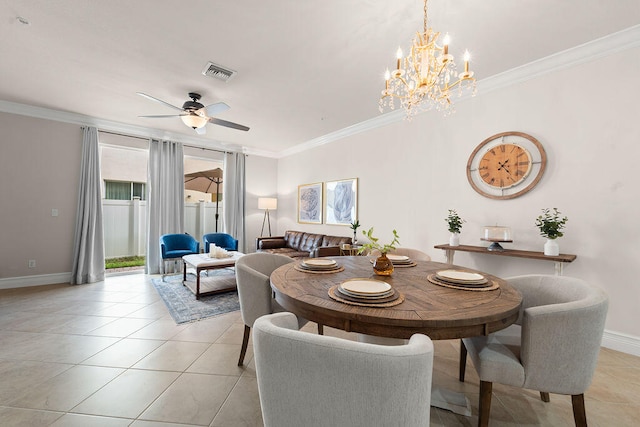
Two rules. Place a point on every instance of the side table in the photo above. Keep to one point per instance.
(350, 250)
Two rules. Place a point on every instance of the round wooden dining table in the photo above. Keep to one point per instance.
(436, 311)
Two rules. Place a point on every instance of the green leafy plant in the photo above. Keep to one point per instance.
(354, 226)
(551, 223)
(374, 242)
(454, 221)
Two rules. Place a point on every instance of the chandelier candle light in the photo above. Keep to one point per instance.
(426, 77)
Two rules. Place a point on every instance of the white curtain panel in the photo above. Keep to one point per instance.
(234, 197)
(165, 195)
(88, 242)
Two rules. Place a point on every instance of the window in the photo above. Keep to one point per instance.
(122, 190)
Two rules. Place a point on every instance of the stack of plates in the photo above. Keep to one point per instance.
(367, 290)
(462, 279)
(319, 264)
(399, 259)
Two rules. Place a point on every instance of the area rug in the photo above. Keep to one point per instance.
(183, 305)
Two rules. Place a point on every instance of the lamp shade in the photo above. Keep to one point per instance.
(194, 121)
(267, 203)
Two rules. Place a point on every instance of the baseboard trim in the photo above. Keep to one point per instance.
(42, 279)
(621, 342)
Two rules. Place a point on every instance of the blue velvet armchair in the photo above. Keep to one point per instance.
(175, 246)
(222, 240)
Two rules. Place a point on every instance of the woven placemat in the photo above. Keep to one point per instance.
(433, 279)
(304, 270)
(334, 294)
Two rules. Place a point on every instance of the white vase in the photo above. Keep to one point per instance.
(551, 248)
(454, 239)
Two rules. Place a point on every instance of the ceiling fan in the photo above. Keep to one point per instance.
(195, 115)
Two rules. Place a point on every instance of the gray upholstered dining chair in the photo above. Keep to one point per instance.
(552, 348)
(254, 290)
(314, 380)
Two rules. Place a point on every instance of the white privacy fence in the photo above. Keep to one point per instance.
(125, 225)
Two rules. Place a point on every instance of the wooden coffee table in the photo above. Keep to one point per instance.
(202, 262)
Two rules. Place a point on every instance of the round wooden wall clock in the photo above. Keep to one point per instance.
(506, 165)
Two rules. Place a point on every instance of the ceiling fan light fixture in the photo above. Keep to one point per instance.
(194, 121)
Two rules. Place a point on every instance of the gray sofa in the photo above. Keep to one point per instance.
(298, 244)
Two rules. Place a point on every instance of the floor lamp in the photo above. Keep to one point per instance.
(267, 203)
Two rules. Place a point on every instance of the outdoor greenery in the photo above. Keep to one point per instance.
(373, 242)
(550, 223)
(454, 221)
(128, 261)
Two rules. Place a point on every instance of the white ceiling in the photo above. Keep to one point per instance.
(306, 68)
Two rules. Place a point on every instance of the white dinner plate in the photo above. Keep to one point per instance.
(316, 262)
(387, 294)
(365, 286)
(397, 257)
(460, 276)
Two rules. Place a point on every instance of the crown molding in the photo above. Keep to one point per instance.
(109, 125)
(587, 52)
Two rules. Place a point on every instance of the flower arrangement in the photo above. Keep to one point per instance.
(551, 223)
(373, 242)
(454, 221)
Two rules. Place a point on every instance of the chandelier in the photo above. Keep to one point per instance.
(426, 78)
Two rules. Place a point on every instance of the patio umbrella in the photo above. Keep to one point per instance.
(205, 182)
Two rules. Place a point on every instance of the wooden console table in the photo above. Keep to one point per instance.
(558, 260)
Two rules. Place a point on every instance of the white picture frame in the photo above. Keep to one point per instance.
(310, 203)
(341, 201)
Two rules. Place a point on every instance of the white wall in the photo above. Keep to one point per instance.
(410, 173)
(261, 181)
(39, 171)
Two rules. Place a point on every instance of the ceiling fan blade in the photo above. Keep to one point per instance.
(217, 108)
(227, 124)
(201, 131)
(144, 95)
(162, 116)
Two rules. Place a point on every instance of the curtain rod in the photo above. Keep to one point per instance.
(147, 139)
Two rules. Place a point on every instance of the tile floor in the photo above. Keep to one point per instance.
(109, 354)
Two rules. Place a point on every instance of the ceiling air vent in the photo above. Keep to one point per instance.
(213, 70)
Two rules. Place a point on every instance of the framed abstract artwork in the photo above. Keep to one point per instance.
(310, 203)
(341, 201)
